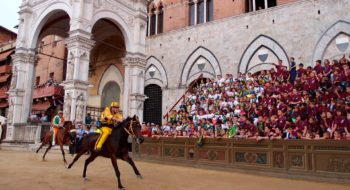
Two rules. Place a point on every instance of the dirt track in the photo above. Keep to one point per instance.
(24, 170)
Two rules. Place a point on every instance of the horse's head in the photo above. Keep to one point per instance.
(134, 129)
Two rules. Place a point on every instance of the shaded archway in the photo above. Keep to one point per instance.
(155, 73)
(50, 68)
(106, 63)
(338, 28)
(200, 61)
(259, 42)
(110, 93)
(153, 104)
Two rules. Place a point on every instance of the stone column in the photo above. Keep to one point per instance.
(21, 90)
(266, 4)
(76, 84)
(135, 65)
(195, 11)
(156, 24)
(254, 5)
(149, 24)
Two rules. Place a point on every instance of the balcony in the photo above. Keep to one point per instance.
(48, 91)
(5, 69)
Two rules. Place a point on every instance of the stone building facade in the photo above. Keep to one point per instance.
(150, 51)
(243, 42)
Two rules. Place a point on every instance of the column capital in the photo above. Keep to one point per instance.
(75, 85)
(23, 55)
(135, 59)
(79, 39)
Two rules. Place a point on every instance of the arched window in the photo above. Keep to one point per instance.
(153, 22)
(255, 5)
(160, 19)
(200, 12)
(192, 11)
(210, 10)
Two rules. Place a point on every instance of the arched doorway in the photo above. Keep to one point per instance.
(153, 104)
(110, 93)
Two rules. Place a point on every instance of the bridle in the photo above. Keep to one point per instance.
(130, 130)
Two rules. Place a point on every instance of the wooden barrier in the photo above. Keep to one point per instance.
(308, 159)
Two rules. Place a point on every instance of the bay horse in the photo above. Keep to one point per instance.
(63, 137)
(115, 146)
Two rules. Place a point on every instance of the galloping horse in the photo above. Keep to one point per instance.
(63, 137)
(116, 146)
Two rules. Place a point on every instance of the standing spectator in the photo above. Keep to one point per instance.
(88, 119)
(80, 132)
(293, 70)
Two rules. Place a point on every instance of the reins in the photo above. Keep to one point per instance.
(130, 130)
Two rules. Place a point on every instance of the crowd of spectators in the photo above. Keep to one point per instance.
(300, 103)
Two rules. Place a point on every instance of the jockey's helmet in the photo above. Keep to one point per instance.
(115, 104)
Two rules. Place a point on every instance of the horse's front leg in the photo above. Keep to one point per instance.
(47, 150)
(64, 157)
(87, 162)
(117, 172)
(129, 160)
(42, 144)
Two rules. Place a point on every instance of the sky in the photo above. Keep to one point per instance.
(9, 13)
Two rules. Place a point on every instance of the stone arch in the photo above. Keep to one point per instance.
(200, 52)
(112, 73)
(255, 45)
(43, 18)
(119, 22)
(328, 36)
(160, 76)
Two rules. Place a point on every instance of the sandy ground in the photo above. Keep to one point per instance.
(25, 170)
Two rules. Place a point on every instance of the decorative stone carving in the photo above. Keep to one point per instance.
(80, 108)
(10, 112)
(70, 66)
(67, 106)
(13, 84)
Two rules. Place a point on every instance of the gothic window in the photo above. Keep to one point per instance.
(153, 22)
(200, 11)
(255, 5)
(192, 13)
(210, 9)
(160, 19)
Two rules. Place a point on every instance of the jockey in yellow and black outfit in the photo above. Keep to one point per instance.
(109, 118)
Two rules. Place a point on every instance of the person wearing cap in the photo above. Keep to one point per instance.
(109, 118)
(57, 122)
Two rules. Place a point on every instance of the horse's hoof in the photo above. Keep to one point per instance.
(139, 176)
(121, 188)
(86, 179)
